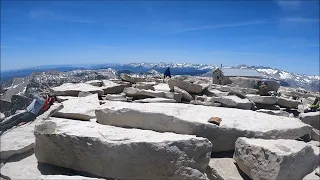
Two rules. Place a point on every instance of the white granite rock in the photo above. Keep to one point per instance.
(110, 87)
(2, 116)
(128, 78)
(81, 108)
(273, 85)
(28, 168)
(73, 89)
(289, 103)
(205, 103)
(216, 93)
(97, 83)
(145, 85)
(311, 118)
(224, 169)
(185, 95)
(17, 141)
(142, 94)
(66, 177)
(109, 151)
(225, 101)
(192, 119)
(233, 101)
(155, 100)
(173, 95)
(251, 82)
(84, 94)
(137, 93)
(64, 98)
(274, 112)
(244, 90)
(262, 99)
(275, 159)
(204, 100)
(162, 87)
(187, 86)
(235, 90)
(315, 134)
(314, 143)
(21, 139)
(115, 97)
(242, 103)
(314, 175)
(267, 106)
(244, 82)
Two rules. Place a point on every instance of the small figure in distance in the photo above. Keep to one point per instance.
(167, 73)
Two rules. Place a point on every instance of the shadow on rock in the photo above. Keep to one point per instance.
(242, 174)
(224, 154)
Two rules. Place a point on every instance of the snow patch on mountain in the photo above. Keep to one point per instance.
(285, 75)
(288, 79)
(267, 71)
(172, 65)
(152, 71)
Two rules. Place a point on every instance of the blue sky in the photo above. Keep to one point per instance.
(279, 34)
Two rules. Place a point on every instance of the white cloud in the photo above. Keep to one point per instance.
(300, 20)
(237, 24)
(105, 47)
(41, 14)
(311, 44)
(288, 4)
(54, 16)
(23, 38)
(237, 53)
(288, 42)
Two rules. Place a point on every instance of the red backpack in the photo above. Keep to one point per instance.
(47, 104)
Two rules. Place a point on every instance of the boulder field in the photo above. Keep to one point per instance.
(149, 128)
(192, 119)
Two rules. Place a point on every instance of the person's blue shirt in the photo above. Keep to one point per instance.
(36, 105)
(167, 73)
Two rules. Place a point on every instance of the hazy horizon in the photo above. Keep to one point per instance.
(97, 64)
(276, 34)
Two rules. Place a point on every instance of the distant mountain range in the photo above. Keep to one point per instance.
(179, 68)
(286, 78)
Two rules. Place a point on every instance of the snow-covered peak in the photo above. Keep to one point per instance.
(172, 65)
(291, 79)
(154, 72)
(268, 71)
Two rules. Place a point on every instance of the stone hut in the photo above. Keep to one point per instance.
(222, 75)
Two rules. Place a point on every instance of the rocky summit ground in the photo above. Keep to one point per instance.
(136, 128)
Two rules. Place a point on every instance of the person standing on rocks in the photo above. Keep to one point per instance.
(30, 114)
(167, 73)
